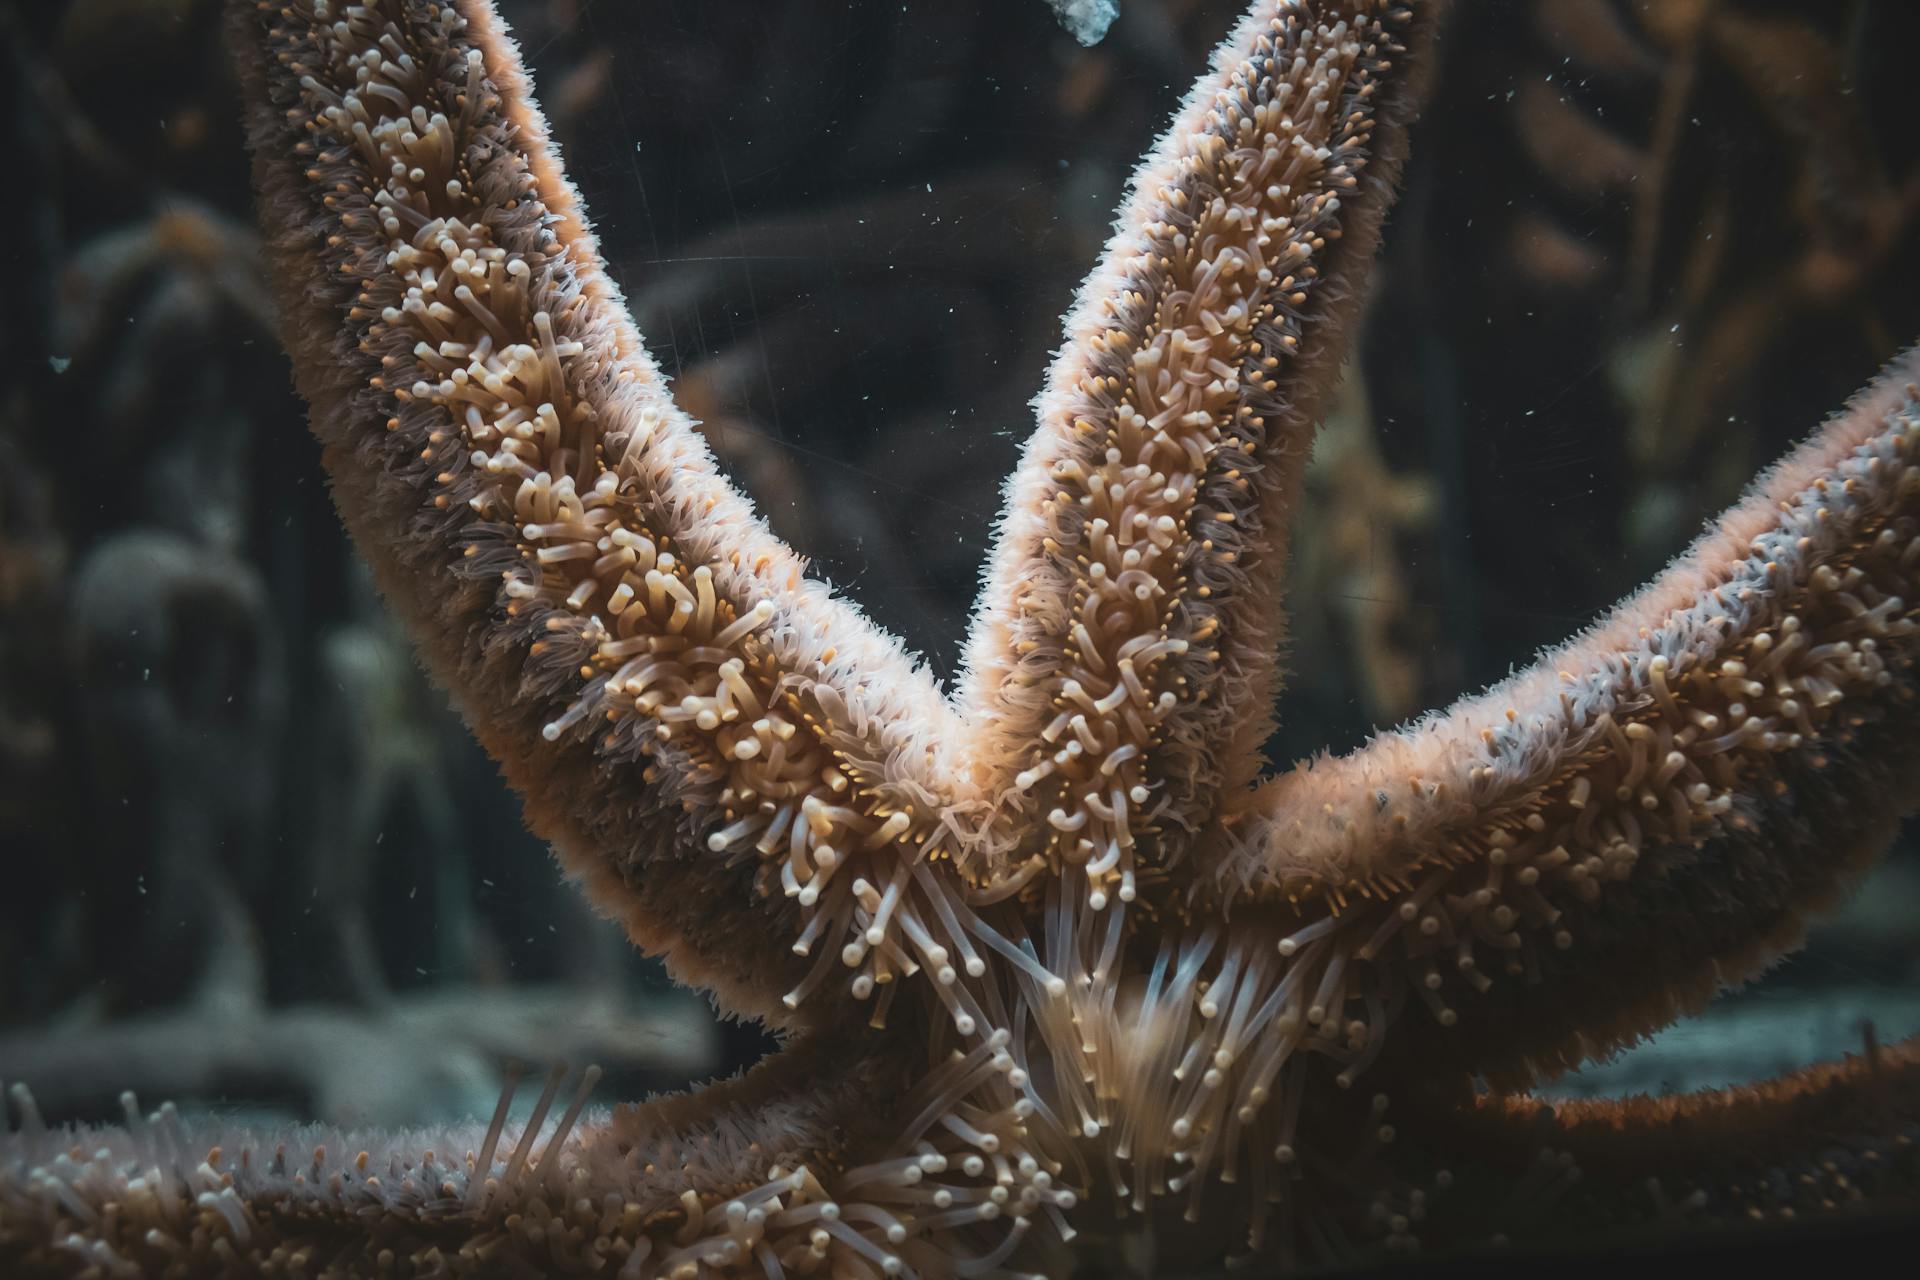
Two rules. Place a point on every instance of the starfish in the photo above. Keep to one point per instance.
(1048, 957)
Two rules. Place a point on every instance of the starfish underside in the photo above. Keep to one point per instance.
(1047, 957)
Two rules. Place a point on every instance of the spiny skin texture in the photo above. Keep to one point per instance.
(1833, 1137)
(650, 665)
(1147, 522)
(1092, 977)
(1675, 791)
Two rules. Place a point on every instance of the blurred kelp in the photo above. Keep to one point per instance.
(251, 859)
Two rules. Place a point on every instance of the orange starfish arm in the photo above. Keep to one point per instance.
(1655, 810)
(1122, 661)
(694, 723)
(1514, 1170)
(810, 1160)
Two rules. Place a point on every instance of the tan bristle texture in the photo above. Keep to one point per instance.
(752, 1176)
(1675, 792)
(1125, 637)
(645, 657)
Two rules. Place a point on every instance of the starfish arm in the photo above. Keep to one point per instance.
(1510, 1168)
(1121, 664)
(1655, 810)
(699, 729)
(810, 1159)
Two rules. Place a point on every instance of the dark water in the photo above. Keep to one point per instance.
(252, 862)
